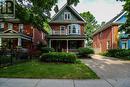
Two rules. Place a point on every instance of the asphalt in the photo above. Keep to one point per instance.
(8, 82)
(108, 67)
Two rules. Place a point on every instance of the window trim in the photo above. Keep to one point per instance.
(61, 28)
(11, 26)
(2, 25)
(67, 13)
(77, 26)
(21, 30)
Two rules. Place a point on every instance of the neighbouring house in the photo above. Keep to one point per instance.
(67, 30)
(14, 33)
(109, 35)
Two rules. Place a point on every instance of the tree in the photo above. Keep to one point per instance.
(90, 26)
(126, 26)
(37, 12)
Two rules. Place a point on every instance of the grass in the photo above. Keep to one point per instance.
(35, 69)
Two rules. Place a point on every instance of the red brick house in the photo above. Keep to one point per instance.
(67, 30)
(14, 32)
(107, 36)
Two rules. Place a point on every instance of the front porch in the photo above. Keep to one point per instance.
(68, 45)
(13, 40)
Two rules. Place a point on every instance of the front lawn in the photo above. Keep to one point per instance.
(35, 69)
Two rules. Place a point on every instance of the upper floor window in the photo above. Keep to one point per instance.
(62, 29)
(1, 25)
(10, 26)
(67, 16)
(74, 29)
(21, 28)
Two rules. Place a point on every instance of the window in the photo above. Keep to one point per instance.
(108, 44)
(10, 26)
(21, 28)
(74, 29)
(73, 44)
(67, 16)
(62, 29)
(125, 45)
(1, 25)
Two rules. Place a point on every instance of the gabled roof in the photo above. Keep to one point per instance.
(72, 9)
(111, 22)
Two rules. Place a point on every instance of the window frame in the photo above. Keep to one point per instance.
(10, 24)
(61, 29)
(77, 29)
(2, 25)
(67, 16)
(21, 29)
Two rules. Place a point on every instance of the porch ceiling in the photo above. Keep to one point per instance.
(65, 37)
(15, 35)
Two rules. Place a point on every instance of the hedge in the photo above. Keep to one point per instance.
(47, 49)
(118, 53)
(85, 51)
(58, 57)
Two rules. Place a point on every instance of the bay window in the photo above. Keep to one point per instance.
(74, 29)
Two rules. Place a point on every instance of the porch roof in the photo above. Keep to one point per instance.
(15, 35)
(65, 37)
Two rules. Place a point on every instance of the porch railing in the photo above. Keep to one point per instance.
(57, 32)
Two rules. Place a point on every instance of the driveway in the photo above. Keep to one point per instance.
(108, 68)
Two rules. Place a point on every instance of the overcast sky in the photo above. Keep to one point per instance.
(103, 10)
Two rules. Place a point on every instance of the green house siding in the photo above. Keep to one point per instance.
(60, 16)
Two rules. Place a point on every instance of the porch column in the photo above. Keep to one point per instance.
(0, 42)
(67, 46)
(84, 43)
(49, 43)
(19, 42)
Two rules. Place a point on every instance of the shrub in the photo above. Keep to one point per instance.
(47, 50)
(119, 53)
(85, 51)
(58, 57)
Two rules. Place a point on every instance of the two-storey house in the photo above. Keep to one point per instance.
(110, 35)
(67, 30)
(14, 34)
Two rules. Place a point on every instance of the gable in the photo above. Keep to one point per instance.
(121, 19)
(74, 14)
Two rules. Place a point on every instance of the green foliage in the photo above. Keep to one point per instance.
(91, 24)
(59, 57)
(47, 50)
(85, 51)
(36, 12)
(118, 53)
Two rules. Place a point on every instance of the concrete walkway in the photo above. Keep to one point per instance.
(108, 68)
(4, 82)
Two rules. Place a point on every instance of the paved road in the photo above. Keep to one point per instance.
(4, 82)
(109, 68)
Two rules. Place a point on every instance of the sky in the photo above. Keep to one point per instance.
(103, 10)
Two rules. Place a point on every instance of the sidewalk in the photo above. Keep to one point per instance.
(5, 82)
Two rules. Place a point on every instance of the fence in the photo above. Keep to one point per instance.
(11, 57)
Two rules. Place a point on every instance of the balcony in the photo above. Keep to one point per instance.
(65, 32)
(57, 32)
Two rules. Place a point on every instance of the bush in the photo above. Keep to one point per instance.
(85, 51)
(58, 57)
(119, 53)
(47, 50)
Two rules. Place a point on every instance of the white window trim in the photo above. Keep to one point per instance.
(11, 26)
(77, 29)
(68, 13)
(126, 44)
(61, 27)
(2, 25)
(20, 27)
